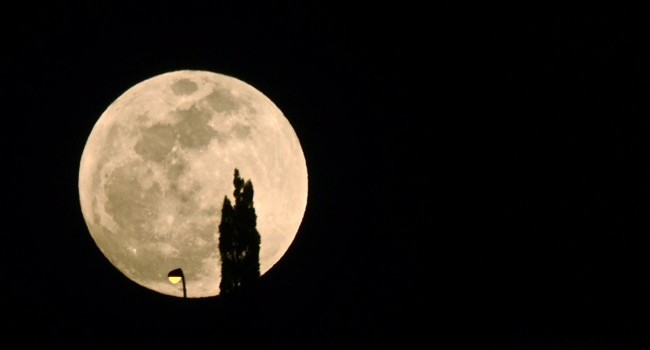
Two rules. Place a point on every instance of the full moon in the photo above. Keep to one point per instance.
(160, 160)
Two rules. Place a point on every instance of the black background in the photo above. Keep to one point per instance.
(477, 176)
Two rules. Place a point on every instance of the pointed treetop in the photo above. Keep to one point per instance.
(238, 182)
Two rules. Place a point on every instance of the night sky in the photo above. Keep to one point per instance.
(477, 177)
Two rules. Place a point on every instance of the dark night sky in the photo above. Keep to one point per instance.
(477, 177)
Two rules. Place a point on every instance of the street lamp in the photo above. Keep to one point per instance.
(176, 276)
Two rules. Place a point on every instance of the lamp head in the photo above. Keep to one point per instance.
(175, 276)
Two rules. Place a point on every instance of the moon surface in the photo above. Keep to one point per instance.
(160, 160)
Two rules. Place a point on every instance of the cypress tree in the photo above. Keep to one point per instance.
(227, 248)
(239, 240)
(249, 236)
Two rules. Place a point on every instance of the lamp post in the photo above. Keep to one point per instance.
(176, 276)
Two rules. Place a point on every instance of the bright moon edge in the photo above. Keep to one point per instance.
(159, 161)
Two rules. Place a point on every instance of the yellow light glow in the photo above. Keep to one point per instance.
(175, 279)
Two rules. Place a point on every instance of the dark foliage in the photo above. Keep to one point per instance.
(239, 240)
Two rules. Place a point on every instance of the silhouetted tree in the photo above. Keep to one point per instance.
(239, 240)
(227, 248)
